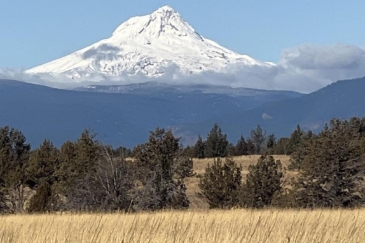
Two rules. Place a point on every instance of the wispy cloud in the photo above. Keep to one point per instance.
(304, 68)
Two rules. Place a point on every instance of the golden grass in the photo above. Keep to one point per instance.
(270, 226)
(244, 161)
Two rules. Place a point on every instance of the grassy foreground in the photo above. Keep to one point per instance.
(191, 226)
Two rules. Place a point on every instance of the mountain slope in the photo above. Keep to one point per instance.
(155, 45)
(158, 88)
(118, 118)
(343, 99)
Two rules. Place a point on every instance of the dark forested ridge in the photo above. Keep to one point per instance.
(342, 99)
(126, 117)
(118, 118)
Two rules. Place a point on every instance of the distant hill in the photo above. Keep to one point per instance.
(343, 99)
(118, 118)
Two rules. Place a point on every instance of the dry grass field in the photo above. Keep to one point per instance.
(270, 226)
(195, 225)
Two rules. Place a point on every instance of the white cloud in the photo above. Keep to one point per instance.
(304, 68)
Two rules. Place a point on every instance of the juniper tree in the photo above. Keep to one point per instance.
(41, 201)
(43, 163)
(221, 183)
(241, 147)
(270, 143)
(77, 162)
(258, 138)
(14, 158)
(216, 144)
(250, 147)
(295, 140)
(160, 164)
(262, 181)
(332, 170)
(199, 148)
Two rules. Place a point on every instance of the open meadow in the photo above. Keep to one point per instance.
(270, 226)
(198, 224)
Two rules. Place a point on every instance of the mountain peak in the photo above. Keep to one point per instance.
(165, 9)
(163, 20)
(159, 44)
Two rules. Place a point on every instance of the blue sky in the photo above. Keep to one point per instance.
(38, 31)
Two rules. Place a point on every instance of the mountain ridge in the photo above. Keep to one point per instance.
(342, 99)
(41, 112)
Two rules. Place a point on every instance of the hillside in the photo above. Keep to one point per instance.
(342, 99)
(117, 118)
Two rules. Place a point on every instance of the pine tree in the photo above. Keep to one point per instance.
(258, 137)
(14, 159)
(241, 147)
(216, 144)
(87, 149)
(221, 183)
(281, 146)
(295, 140)
(270, 143)
(263, 180)
(250, 147)
(43, 163)
(199, 148)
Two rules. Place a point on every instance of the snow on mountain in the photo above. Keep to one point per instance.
(155, 45)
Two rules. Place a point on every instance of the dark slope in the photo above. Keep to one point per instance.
(343, 99)
(118, 119)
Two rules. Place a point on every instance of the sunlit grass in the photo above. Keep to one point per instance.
(191, 226)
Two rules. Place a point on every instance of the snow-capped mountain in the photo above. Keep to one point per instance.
(155, 45)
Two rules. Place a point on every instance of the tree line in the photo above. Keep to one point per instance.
(86, 175)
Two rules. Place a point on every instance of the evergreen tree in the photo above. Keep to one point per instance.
(40, 202)
(299, 150)
(281, 146)
(270, 143)
(258, 137)
(332, 170)
(77, 163)
(14, 158)
(189, 152)
(184, 167)
(67, 171)
(199, 149)
(250, 147)
(221, 183)
(262, 182)
(216, 144)
(43, 163)
(159, 161)
(231, 150)
(241, 147)
(295, 140)
(87, 149)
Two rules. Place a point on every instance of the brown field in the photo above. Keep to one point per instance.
(199, 168)
(270, 226)
(195, 225)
